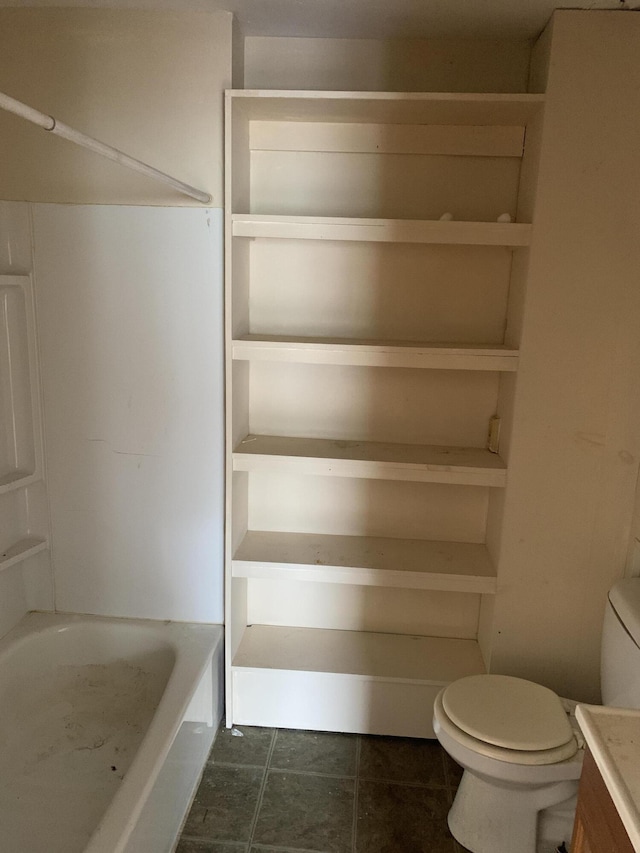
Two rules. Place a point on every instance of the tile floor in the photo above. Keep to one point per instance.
(281, 791)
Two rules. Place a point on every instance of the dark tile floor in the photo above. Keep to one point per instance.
(281, 791)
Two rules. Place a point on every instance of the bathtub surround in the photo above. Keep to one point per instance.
(26, 580)
(125, 299)
(136, 475)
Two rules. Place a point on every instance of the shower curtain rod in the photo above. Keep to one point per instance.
(59, 129)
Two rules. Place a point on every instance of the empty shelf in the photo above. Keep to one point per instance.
(396, 657)
(376, 353)
(381, 230)
(371, 460)
(366, 561)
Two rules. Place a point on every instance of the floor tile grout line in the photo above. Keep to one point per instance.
(256, 813)
(241, 845)
(354, 828)
(280, 849)
(311, 773)
(382, 780)
(375, 779)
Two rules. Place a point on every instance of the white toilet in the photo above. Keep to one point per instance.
(520, 747)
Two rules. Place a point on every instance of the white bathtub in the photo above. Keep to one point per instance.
(104, 726)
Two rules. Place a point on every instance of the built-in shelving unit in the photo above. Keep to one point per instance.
(376, 259)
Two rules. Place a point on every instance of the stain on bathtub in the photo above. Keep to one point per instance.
(67, 746)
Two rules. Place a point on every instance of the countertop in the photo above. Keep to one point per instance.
(613, 736)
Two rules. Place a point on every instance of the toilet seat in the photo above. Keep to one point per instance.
(507, 718)
(508, 712)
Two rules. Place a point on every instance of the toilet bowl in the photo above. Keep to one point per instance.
(519, 748)
(521, 759)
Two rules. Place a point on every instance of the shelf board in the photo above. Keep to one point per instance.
(413, 108)
(21, 550)
(17, 480)
(389, 657)
(471, 466)
(365, 561)
(447, 140)
(371, 353)
(509, 234)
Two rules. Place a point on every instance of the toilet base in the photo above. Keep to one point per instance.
(489, 818)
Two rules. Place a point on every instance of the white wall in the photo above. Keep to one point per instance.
(429, 65)
(149, 83)
(575, 451)
(130, 314)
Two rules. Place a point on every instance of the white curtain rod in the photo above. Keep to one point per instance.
(59, 129)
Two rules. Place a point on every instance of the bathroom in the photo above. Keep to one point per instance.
(122, 508)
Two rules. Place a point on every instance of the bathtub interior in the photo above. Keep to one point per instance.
(80, 713)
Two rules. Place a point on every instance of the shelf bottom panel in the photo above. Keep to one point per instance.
(347, 681)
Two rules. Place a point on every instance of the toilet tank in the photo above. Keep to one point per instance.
(620, 654)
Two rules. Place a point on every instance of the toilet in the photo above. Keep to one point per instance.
(520, 747)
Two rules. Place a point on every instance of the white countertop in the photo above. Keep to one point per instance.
(613, 736)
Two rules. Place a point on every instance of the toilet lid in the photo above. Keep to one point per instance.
(509, 712)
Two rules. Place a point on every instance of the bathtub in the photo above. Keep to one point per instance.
(104, 727)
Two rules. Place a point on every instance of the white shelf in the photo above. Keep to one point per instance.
(21, 550)
(509, 234)
(17, 480)
(381, 139)
(305, 350)
(439, 108)
(392, 657)
(365, 561)
(371, 460)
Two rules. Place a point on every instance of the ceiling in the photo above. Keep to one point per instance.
(372, 18)
(400, 18)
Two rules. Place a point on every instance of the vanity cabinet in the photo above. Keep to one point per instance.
(598, 827)
(376, 255)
